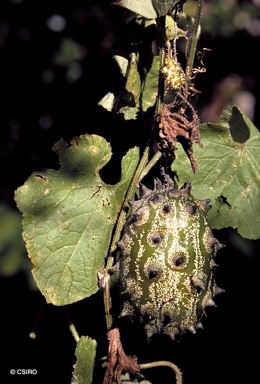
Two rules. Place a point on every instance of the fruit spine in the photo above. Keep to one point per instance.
(166, 268)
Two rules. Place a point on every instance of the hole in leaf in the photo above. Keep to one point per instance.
(223, 200)
(238, 128)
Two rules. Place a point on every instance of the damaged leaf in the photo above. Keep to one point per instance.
(68, 217)
(85, 354)
(228, 172)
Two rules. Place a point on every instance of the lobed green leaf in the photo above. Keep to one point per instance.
(228, 172)
(69, 215)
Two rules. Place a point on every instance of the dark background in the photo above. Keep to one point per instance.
(50, 84)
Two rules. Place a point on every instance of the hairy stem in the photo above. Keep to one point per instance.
(129, 195)
(151, 164)
(163, 363)
(193, 43)
(142, 169)
(120, 223)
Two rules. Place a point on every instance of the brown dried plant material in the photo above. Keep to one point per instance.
(118, 361)
(176, 127)
(178, 121)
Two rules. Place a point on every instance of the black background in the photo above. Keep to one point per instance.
(226, 350)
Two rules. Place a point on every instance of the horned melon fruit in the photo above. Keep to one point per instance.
(167, 263)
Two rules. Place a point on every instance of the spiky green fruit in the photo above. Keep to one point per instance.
(166, 269)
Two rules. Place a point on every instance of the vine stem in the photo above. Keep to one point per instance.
(72, 327)
(129, 195)
(143, 167)
(164, 363)
(141, 171)
(120, 223)
(193, 44)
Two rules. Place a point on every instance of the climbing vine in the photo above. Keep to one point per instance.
(83, 235)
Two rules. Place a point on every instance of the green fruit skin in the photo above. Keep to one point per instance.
(166, 269)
